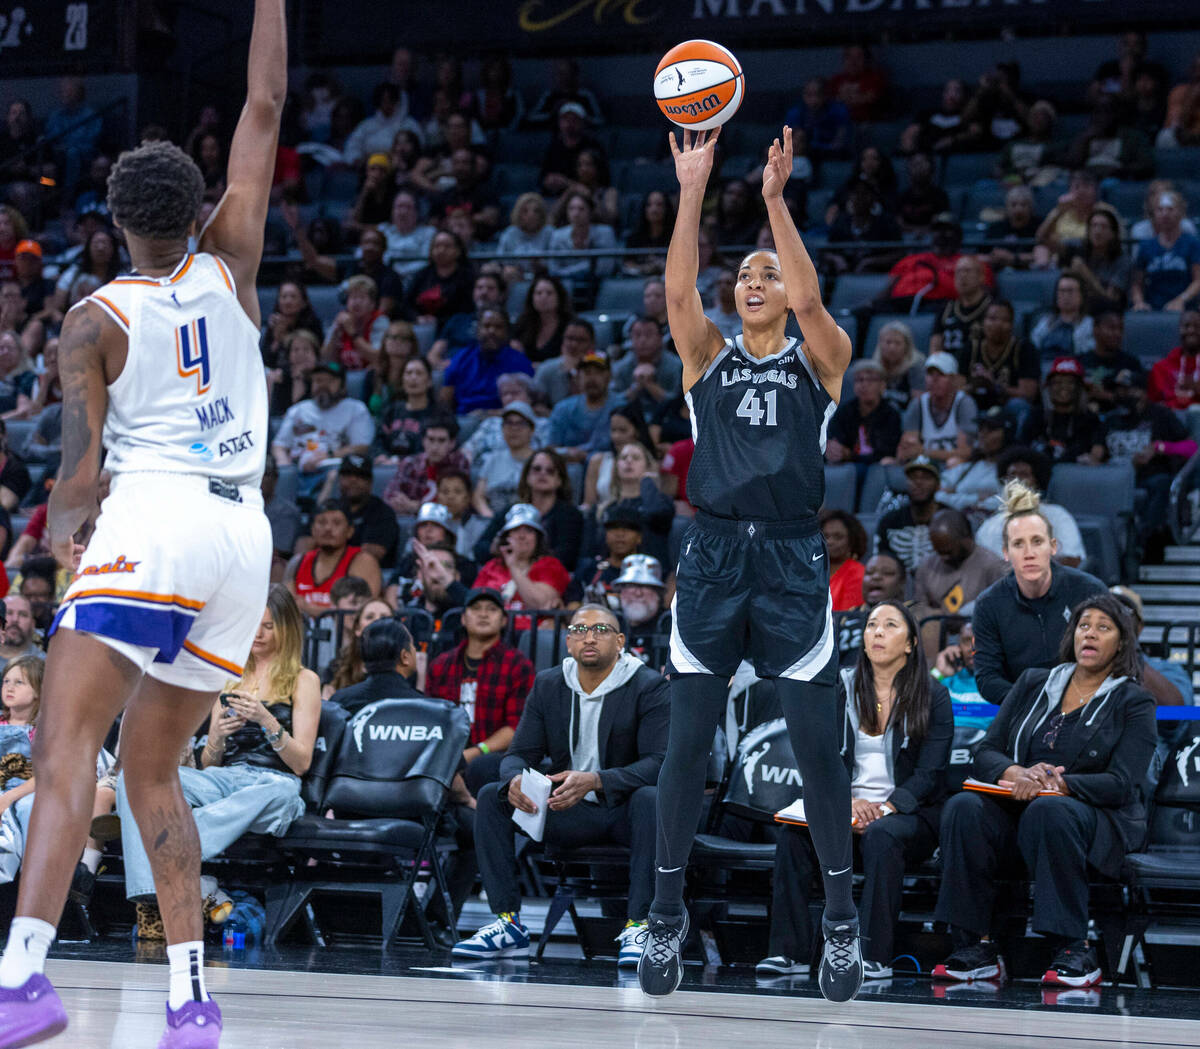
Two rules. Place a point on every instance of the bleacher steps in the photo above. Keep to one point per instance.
(1183, 555)
(1170, 594)
(1171, 573)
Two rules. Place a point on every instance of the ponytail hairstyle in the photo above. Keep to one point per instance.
(1022, 501)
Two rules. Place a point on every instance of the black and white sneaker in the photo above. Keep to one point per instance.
(660, 967)
(781, 965)
(1075, 965)
(841, 972)
(980, 961)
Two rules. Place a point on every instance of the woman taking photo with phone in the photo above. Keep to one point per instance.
(260, 743)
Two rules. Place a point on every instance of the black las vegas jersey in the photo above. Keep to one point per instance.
(759, 428)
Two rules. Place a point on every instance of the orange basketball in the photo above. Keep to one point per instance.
(699, 85)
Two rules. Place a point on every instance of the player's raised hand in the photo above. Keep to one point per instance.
(778, 168)
(693, 163)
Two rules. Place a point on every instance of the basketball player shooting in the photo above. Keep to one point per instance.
(161, 370)
(753, 576)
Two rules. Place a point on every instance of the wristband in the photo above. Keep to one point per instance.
(483, 748)
(937, 675)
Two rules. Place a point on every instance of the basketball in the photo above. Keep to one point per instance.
(699, 85)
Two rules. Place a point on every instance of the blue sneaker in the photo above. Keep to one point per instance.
(506, 937)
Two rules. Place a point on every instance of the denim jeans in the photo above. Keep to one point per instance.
(226, 802)
(13, 827)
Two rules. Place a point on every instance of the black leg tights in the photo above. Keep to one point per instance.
(812, 715)
(697, 705)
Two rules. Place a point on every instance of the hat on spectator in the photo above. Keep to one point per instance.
(330, 368)
(484, 593)
(595, 359)
(94, 209)
(640, 570)
(1130, 377)
(358, 465)
(522, 514)
(519, 408)
(438, 514)
(994, 418)
(923, 462)
(941, 362)
(624, 514)
(1067, 366)
(29, 247)
(573, 107)
(867, 364)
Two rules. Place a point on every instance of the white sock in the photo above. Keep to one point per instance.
(91, 859)
(187, 973)
(29, 940)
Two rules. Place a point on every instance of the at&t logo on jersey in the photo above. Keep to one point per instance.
(191, 354)
(202, 451)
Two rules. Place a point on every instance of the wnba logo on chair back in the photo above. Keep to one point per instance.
(191, 354)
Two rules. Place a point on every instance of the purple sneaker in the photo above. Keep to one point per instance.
(195, 1025)
(30, 1013)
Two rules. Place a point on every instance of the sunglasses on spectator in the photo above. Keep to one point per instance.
(601, 630)
(1051, 735)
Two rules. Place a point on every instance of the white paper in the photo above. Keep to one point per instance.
(536, 788)
(794, 813)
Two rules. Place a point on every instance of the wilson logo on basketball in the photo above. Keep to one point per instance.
(117, 567)
(692, 109)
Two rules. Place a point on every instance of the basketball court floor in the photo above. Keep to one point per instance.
(301, 998)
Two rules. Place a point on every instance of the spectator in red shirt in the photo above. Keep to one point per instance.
(860, 85)
(846, 541)
(1175, 380)
(489, 679)
(356, 335)
(524, 572)
(676, 464)
(930, 274)
(310, 576)
(416, 480)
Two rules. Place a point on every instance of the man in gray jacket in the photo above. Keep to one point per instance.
(601, 719)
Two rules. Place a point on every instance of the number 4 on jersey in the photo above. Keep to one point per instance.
(752, 409)
(191, 353)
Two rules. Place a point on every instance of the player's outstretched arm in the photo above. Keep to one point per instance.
(85, 401)
(696, 337)
(235, 231)
(828, 346)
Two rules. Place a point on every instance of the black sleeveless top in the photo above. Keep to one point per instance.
(249, 746)
(759, 428)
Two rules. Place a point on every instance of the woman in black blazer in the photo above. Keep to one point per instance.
(896, 736)
(1084, 729)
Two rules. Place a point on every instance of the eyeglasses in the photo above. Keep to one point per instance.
(601, 630)
(1051, 734)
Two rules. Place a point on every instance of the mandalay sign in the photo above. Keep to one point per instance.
(525, 25)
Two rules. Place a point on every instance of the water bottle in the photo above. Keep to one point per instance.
(235, 934)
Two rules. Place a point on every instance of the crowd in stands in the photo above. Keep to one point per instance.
(480, 439)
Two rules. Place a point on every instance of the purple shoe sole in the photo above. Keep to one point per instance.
(30, 1014)
(195, 1025)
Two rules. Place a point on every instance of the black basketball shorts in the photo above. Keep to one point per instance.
(753, 590)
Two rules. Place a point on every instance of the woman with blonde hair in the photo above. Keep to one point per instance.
(636, 489)
(903, 364)
(261, 733)
(527, 236)
(385, 380)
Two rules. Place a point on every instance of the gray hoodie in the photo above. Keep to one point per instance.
(585, 711)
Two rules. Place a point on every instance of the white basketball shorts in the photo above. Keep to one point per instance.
(175, 577)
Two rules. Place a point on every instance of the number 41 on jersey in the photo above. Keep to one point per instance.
(751, 407)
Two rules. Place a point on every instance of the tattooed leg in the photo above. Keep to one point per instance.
(157, 725)
(86, 685)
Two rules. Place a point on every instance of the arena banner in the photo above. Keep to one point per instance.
(55, 35)
(531, 25)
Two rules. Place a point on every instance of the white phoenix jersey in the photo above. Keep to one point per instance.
(192, 397)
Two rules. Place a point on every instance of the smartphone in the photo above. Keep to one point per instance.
(225, 697)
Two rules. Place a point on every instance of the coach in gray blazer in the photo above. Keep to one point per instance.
(601, 718)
